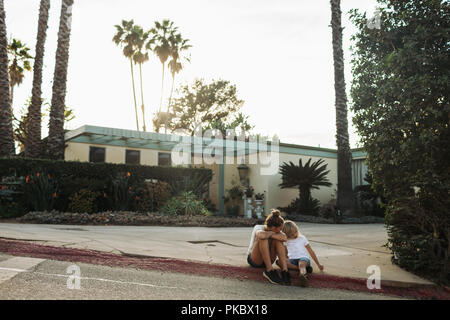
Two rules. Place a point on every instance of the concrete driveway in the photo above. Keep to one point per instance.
(344, 250)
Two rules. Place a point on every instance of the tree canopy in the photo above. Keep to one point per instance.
(213, 105)
(400, 93)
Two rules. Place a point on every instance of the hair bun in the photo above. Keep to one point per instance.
(276, 213)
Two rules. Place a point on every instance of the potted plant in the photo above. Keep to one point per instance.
(259, 199)
(249, 192)
(259, 196)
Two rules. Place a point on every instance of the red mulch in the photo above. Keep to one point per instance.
(20, 248)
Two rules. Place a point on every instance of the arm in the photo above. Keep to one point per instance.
(263, 234)
(313, 255)
(272, 235)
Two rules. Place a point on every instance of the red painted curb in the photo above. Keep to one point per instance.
(20, 248)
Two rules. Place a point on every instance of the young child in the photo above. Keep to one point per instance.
(299, 251)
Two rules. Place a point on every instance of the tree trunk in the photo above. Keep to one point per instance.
(6, 131)
(56, 142)
(168, 106)
(162, 88)
(345, 191)
(142, 98)
(33, 147)
(134, 94)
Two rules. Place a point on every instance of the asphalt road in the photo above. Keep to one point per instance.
(24, 278)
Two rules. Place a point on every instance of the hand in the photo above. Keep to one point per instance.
(321, 267)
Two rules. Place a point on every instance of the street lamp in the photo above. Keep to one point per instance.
(243, 174)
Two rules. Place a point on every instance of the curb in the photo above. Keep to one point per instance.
(324, 281)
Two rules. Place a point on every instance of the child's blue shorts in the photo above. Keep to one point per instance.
(296, 261)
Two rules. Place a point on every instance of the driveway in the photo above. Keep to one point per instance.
(344, 250)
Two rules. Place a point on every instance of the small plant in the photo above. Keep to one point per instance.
(249, 192)
(259, 196)
(185, 204)
(40, 191)
(120, 192)
(83, 201)
(233, 199)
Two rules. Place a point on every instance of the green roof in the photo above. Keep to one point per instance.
(160, 141)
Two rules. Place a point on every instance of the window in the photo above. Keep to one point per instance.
(132, 157)
(96, 154)
(164, 159)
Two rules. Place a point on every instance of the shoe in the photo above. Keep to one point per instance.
(272, 276)
(286, 276)
(309, 269)
(303, 280)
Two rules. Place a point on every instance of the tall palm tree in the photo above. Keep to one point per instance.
(56, 143)
(141, 56)
(20, 62)
(177, 46)
(126, 38)
(6, 135)
(33, 136)
(304, 177)
(162, 32)
(345, 191)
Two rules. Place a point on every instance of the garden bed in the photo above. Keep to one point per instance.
(135, 219)
(345, 220)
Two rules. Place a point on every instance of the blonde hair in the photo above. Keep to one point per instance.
(290, 228)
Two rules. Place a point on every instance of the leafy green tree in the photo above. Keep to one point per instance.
(204, 104)
(32, 143)
(56, 142)
(305, 178)
(126, 39)
(6, 136)
(344, 170)
(400, 94)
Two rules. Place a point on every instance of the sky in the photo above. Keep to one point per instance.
(277, 53)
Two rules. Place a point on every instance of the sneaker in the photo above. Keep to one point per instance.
(272, 276)
(285, 275)
(303, 280)
(309, 269)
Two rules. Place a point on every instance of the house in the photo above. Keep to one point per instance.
(100, 144)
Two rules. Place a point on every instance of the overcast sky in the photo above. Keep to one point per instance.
(277, 52)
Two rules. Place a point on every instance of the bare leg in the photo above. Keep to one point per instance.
(261, 253)
(281, 253)
(302, 266)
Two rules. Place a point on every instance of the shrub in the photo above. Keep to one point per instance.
(150, 196)
(300, 206)
(11, 197)
(40, 191)
(186, 204)
(84, 201)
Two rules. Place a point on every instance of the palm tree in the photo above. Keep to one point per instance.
(20, 62)
(177, 46)
(33, 137)
(304, 177)
(6, 136)
(126, 38)
(56, 143)
(162, 32)
(141, 56)
(345, 191)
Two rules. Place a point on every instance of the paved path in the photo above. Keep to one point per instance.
(47, 279)
(344, 250)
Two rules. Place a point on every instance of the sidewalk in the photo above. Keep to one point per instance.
(344, 250)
